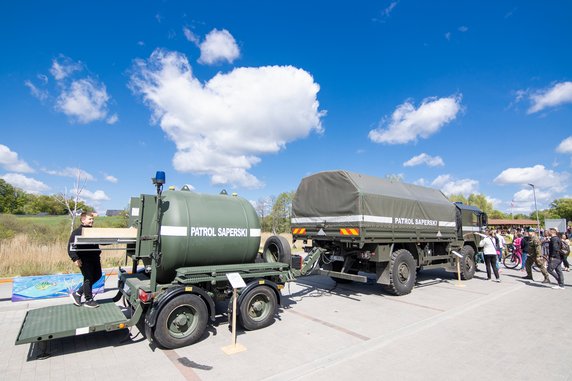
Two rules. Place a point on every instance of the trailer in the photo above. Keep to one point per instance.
(182, 247)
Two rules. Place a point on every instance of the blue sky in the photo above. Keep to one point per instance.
(466, 97)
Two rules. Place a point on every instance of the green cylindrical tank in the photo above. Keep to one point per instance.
(205, 230)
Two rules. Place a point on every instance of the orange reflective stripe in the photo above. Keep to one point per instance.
(299, 231)
(349, 231)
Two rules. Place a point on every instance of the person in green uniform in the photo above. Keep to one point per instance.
(535, 256)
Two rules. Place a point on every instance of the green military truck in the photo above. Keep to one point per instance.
(184, 248)
(363, 224)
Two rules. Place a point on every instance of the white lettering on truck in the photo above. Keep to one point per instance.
(202, 231)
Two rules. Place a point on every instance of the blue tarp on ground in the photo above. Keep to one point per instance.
(50, 286)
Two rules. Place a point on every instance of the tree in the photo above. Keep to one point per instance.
(71, 200)
(562, 208)
(281, 212)
(263, 208)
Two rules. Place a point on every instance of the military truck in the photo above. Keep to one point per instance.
(182, 248)
(362, 224)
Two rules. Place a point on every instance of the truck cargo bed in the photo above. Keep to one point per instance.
(69, 320)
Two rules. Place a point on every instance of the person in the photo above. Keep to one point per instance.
(555, 258)
(501, 244)
(517, 249)
(524, 246)
(565, 239)
(490, 253)
(535, 256)
(87, 258)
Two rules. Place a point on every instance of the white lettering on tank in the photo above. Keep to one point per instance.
(203, 231)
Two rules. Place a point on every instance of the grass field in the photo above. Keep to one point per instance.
(38, 245)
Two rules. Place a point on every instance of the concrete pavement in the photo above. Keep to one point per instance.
(515, 329)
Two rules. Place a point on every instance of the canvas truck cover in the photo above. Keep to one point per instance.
(375, 206)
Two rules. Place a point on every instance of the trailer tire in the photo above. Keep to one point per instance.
(402, 272)
(181, 322)
(277, 249)
(468, 264)
(258, 308)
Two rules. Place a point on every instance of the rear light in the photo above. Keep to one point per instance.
(144, 297)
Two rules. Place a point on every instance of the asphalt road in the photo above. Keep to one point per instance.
(482, 330)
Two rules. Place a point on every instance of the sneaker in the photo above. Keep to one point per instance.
(76, 298)
(546, 280)
(558, 288)
(527, 277)
(91, 304)
(497, 280)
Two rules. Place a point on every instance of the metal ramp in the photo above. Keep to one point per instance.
(69, 320)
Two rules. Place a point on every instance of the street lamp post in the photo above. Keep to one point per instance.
(535, 207)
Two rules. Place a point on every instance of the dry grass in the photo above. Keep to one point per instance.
(21, 256)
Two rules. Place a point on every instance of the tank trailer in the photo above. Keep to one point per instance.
(182, 248)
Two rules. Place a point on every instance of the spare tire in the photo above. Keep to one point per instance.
(277, 249)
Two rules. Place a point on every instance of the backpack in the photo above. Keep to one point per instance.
(564, 248)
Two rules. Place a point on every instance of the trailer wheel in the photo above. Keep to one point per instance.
(257, 309)
(402, 272)
(181, 321)
(277, 249)
(468, 265)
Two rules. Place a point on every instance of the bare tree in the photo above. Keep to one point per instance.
(70, 199)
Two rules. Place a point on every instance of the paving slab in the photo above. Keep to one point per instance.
(443, 330)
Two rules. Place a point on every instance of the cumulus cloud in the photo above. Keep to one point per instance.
(111, 179)
(409, 124)
(9, 160)
(190, 36)
(558, 94)
(85, 101)
(222, 126)
(27, 184)
(36, 92)
(537, 175)
(523, 200)
(565, 145)
(96, 196)
(463, 29)
(431, 161)
(63, 67)
(450, 186)
(71, 172)
(218, 46)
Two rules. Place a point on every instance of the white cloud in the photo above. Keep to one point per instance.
(111, 179)
(523, 200)
(448, 36)
(408, 124)
(190, 36)
(112, 119)
(72, 172)
(96, 196)
(9, 161)
(221, 127)
(63, 67)
(218, 46)
(565, 145)
(558, 94)
(84, 100)
(537, 175)
(463, 29)
(450, 186)
(36, 92)
(432, 161)
(27, 184)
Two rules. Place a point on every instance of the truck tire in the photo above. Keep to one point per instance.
(402, 272)
(277, 249)
(468, 265)
(181, 322)
(258, 308)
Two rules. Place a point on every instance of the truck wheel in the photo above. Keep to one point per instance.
(468, 266)
(402, 272)
(181, 321)
(277, 249)
(257, 309)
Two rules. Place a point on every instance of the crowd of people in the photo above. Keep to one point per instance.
(547, 249)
